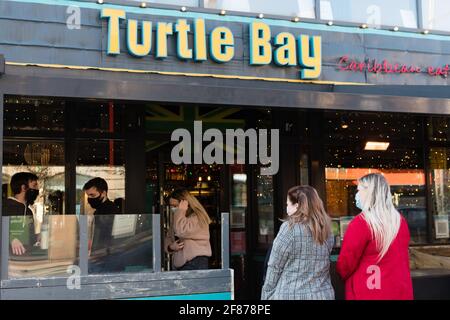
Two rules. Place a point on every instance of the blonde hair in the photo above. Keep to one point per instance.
(195, 207)
(379, 211)
(310, 212)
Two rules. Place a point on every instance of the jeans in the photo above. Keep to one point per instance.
(198, 263)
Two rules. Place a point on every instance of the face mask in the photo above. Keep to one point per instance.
(358, 201)
(173, 209)
(291, 209)
(95, 202)
(31, 195)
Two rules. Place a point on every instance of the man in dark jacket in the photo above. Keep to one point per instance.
(24, 187)
(96, 191)
(25, 190)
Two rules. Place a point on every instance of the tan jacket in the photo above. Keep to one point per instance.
(194, 236)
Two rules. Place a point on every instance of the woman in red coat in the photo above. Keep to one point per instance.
(374, 257)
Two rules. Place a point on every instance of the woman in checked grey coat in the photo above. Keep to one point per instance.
(299, 263)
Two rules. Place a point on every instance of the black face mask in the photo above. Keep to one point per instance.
(31, 195)
(95, 202)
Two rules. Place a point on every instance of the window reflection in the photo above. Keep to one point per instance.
(45, 159)
(407, 188)
(100, 117)
(264, 195)
(50, 252)
(435, 14)
(348, 158)
(374, 13)
(30, 113)
(121, 243)
(440, 193)
(104, 159)
(300, 8)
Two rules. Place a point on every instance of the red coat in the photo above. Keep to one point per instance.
(357, 265)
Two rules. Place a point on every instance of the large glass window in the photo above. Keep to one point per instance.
(264, 196)
(300, 8)
(33, 114)
(440, 193)
(265, 189)
(65, 143)
(350, 154)
(435, 14)
(100, 117)
(45, 159)
(104, 159)
(51, 252)
(121, 243)
(374, 13)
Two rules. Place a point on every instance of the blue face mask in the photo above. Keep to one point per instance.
(358, 201)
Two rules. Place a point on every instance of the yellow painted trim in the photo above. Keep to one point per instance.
(220, 76)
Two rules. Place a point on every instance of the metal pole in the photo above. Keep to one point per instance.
(84, 243)
(225, 240)
(3, 253)
(317, 9)
(156, 228)
(4, 248)
(419, 10)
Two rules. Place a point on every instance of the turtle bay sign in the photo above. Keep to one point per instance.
(285, 50)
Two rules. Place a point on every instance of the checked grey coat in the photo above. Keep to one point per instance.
(299, 267)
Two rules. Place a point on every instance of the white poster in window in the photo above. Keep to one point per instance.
(326, 11)
(124, 225)
(408, 19)
(306, 9)
(441, 226)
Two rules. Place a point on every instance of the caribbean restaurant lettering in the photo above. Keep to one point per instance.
(283, 49)
(387, 67)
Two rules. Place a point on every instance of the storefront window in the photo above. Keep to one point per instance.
(374, 13)
(435, 14)
(34, 114)
(121, 243)
(304, 169)
(402, 166)
(45, 159)
(40, 139)
(100, 117)
(238, 196)
(264, 195)
(438, 129)
(104, 159)
(300, 8)
(51, 252)
(407, 188)
(440, 193)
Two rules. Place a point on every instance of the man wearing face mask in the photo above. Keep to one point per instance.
(25, 190)
(96, 191)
